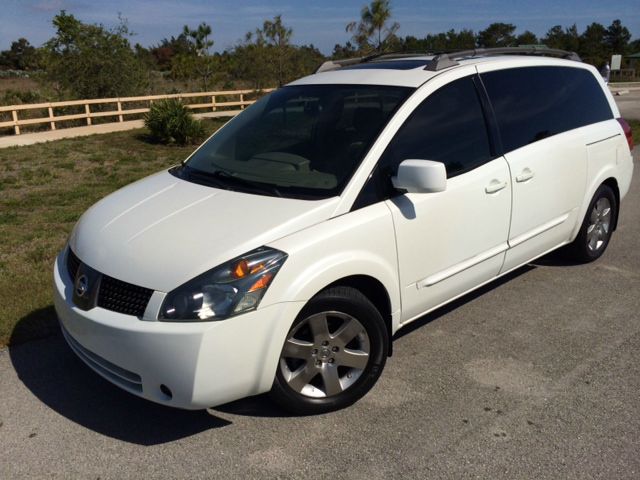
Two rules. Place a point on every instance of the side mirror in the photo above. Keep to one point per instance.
(420, 176)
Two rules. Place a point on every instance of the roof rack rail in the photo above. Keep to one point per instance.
(335, 64)
(446, 60)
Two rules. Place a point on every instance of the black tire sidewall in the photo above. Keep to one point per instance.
(349, 301)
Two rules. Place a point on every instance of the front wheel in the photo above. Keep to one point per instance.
(597, 227)
(333, 354)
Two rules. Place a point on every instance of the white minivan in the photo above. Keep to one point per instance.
(287, 250)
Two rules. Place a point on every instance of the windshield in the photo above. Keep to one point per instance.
(300, 142)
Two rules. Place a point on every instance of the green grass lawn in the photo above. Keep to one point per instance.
(44, 189)
(635, 128)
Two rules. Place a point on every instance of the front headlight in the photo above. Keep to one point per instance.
(229, 289)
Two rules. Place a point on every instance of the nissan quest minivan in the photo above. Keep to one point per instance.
(286, 251)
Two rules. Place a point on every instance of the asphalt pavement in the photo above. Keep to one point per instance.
(629, 104)
(536, 376)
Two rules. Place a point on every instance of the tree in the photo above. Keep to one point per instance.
(593, 49)
(617, 37)
(20, 56)
(554, 37)
(145, 56)
(413, 44)
(167, 49)
(90, 61)
(527, 38)
(248, 62)
(348, 50)
(563, 39)
(278, 38)
(497, 35)
(266, 56)
(373, 31)
(464, 40)
(305, 59)
(572, 39)
(199, 38)
(196, 61)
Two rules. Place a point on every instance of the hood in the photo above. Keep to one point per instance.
(162, 231)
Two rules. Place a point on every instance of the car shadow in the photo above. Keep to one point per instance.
(52, 372)
(257, 406)
(469, 297)
(558, 258)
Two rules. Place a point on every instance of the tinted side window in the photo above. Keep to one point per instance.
(447, 127)
(537, 102)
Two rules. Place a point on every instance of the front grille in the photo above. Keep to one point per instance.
(113, 294)
(123, 297)
(73, 264)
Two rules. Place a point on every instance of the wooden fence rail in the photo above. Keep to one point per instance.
(211, 103)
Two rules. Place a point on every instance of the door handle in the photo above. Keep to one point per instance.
(495, 186)
(525, 176)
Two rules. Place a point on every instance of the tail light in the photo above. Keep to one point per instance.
(627, 132)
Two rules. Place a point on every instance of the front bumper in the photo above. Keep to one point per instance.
(202, 364)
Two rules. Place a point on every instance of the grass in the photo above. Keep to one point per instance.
(44, 189)
(635, 129)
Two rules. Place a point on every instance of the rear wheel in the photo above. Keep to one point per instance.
(597, 227)
(333, 354)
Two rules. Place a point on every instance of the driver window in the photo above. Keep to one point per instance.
(448, 127)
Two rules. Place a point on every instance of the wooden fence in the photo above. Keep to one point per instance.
(210, 102)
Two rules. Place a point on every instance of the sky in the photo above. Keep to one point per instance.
(321, 23)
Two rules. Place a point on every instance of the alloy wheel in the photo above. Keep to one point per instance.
(325, 354)
(599, 224)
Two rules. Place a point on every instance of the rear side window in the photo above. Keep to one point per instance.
(448, 127)
(537, 102)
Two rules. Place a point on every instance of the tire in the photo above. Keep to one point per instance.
(334, 353)
(597, 226)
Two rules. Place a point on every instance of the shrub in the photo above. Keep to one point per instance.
(19, 97)
(169, 121)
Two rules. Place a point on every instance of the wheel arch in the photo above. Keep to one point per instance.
(612, 183)
(607, 177)
(376, 293)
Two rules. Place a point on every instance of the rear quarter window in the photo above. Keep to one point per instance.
(534, 103)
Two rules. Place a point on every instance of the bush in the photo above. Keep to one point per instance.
(19, 97)
(169, 121)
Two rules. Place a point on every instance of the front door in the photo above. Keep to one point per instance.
(452, 241)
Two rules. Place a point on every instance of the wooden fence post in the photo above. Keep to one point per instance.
(120, 118)
(14, 116)
(52, 123)
(87, 110)
(213, 101)
(242, 100)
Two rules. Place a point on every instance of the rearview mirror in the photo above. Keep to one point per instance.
(420, 176)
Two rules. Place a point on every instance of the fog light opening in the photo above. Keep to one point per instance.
(166, 391)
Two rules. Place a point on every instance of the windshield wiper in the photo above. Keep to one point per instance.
(198, 176)
(255, 186)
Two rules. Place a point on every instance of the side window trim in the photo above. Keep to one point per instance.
(490, 119)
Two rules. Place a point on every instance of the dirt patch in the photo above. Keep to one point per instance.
(511, 375)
